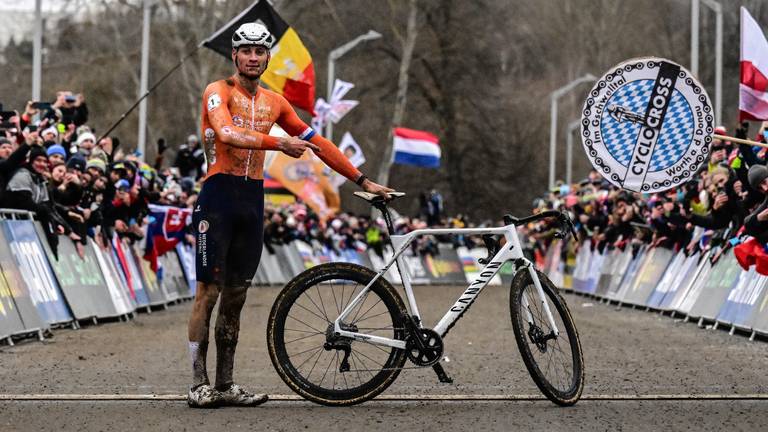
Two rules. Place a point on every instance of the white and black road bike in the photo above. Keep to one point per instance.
(339, 333)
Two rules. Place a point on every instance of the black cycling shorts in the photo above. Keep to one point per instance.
(229, 223)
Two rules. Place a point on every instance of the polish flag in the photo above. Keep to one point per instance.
(753, 87)
(415, 147)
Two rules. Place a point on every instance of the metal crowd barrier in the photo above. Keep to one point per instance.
(719, 293)
(40, 290)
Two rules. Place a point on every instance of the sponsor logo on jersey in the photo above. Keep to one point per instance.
(647, 125)
(209, 136)
(203, 226)
(214, 100)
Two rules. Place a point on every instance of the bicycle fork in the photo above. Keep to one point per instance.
(543, 298)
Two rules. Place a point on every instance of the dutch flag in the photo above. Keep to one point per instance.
(414, 147)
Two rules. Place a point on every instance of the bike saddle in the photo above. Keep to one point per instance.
(372, 198)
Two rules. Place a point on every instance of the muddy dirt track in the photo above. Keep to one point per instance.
(628, 353)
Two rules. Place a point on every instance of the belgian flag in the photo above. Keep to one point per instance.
(290, 71)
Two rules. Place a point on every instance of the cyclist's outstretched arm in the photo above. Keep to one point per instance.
(329, 153)
(215, 100)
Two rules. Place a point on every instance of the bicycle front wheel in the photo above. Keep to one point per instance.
(316, 364)
(554, 362)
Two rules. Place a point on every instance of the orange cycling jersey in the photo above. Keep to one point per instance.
(236, 127)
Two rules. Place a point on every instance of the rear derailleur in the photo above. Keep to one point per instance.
(340, 343)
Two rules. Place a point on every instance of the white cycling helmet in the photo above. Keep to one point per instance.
(252, 34)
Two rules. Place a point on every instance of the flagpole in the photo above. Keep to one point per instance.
(336, 54)
(740, 140)
(151, 89)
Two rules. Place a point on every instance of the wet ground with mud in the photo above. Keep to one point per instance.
(627, 353)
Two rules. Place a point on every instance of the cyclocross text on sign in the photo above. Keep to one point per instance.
(647, 125)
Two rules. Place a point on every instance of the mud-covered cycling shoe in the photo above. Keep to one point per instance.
(204, 396)
(238, 396)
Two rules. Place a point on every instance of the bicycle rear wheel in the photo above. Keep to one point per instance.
(311, 360)
(555, 363)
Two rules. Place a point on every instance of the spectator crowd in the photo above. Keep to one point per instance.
(53, 164)
(723, 203)
(78, 185)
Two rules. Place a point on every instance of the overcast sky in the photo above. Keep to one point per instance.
(17, 16)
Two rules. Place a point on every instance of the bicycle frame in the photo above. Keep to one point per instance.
(511, 251)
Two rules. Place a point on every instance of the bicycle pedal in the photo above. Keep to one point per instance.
(441, 375)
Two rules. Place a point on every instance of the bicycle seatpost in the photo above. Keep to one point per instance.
(382, 207)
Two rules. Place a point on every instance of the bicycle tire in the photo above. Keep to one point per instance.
(574, 386)
(322, 277)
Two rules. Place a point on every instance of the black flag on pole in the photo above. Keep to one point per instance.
(290, 70)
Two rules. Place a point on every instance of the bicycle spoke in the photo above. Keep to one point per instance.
(357, 370)
(369, 309)
(321, 300)
(335, 368)
(360, 306)
(301, 338)
(363, 363)
(373, 316)
(302, 322)
(320, 354)
(335, 302)
(304, 331)
(330, 362)
(322, 318)
(313, 302)
(308, 358)
(351, 296)
(369, 358)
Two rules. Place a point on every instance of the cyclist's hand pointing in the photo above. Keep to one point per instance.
(377, 189)
(294, 147)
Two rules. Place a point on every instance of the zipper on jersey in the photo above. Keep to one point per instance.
(253, 122)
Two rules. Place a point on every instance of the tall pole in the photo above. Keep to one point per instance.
(574, 125)
(335, 55)
(553, 97)
(142, 141)
(695, 38)
(331, 79)
(552, 139)
(719, 65)
(37, 51)
(718, 10)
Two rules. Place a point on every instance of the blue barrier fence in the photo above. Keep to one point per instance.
(709, 287)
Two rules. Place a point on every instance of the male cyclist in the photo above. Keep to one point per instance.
(229, 216)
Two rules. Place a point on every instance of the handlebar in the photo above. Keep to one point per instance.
(566, 224)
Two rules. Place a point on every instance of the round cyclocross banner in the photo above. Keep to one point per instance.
(647, 125)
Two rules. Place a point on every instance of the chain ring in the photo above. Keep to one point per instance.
(433, 347)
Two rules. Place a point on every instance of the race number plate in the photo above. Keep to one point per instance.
(647, 125)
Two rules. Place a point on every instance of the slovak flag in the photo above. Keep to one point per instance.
(167, 227)
(753, 85)
(415, 147)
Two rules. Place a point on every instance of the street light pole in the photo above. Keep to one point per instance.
(695, 38)
(335, 55)
(718, 10)
(695, 16)
(574, 125)
(37, 51)
(142, 141)
(553, 97)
